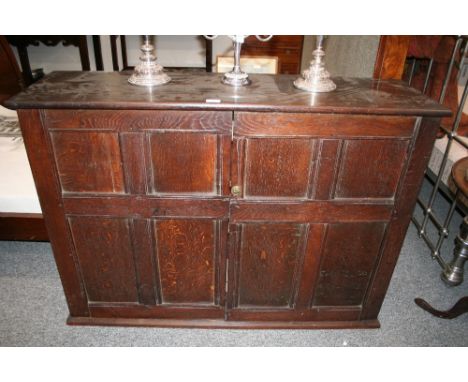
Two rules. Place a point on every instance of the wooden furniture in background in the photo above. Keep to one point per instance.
(454, 272)
(115, 55)
(264, 211)
(10, 75)
(288, 49)
(21, 42)
(391, 57)
(23, 227)
(256, 64)
(123, 49)
(14, 225)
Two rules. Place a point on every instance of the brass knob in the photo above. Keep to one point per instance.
(236, 190)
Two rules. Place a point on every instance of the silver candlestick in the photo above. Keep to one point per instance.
(148, 72)
(316, 79)
(236, 77)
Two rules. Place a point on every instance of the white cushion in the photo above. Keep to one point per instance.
(457, 151)
(17, 190)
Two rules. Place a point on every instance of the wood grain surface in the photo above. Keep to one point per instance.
(204, 91)
(269, 209)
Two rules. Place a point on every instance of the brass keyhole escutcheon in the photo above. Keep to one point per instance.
(236, 190)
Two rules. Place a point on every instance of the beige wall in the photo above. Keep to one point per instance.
(178, 51)
(347, 56)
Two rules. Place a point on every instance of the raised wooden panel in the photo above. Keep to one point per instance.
(348, 257)
(184, 162)
(187, 258)
(104, 250)
(88, 161)
(371, 168)
(278, 167)
(267, 258)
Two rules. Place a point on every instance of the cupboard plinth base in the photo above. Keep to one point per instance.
(220, 324)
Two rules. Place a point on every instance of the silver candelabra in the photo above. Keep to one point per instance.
(316, 78)
(148, 72)
(236, 77)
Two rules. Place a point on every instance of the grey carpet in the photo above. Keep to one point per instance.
(33, 309)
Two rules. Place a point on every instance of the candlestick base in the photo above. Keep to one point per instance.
(315, 85)
(148, 72)
(316, 79)
(236, 79)
(149, 75)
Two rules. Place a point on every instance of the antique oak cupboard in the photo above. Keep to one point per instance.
(200, 205)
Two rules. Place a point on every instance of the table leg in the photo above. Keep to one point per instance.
(458, 309)
(453, 274)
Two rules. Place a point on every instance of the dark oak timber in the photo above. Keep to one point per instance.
(270, 208)
(391, 57)
(22, 226)
(97, 90)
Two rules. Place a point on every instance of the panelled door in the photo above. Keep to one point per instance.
(156, 200)
(146, 198)
(309, 211)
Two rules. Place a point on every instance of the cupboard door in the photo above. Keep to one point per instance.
(152, 268)
(319, 156)
(155, 153)
(315, 194)
(289, 271)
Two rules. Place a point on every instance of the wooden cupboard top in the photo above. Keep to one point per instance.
(195, 91)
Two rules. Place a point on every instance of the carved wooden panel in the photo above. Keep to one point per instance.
(183, 162)
(277, 167)
(371, 168)
(88, 161)
(104, 251)
(188, 260)
(267, 258)
(349, 254)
